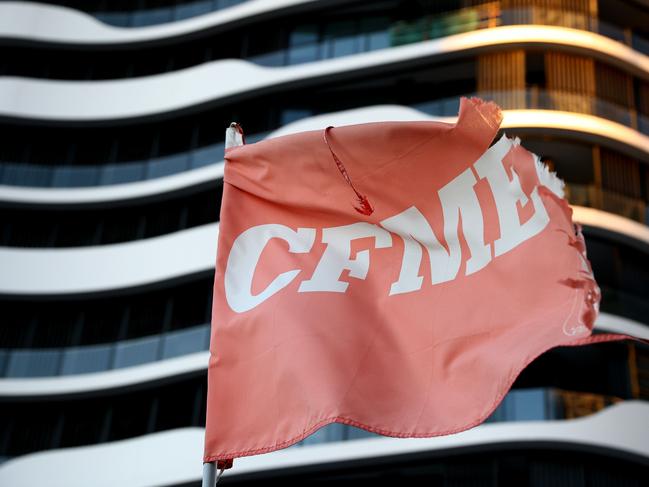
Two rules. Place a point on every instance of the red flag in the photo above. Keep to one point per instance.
(396, 277)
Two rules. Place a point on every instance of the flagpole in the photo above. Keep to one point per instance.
(209, 474)
(233, 138)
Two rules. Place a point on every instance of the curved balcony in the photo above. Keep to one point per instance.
(162, 15)
(374, 33)
(16, 174)
(311, 45)
(32, 21)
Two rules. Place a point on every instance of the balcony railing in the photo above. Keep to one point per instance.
(162, 15)
(20, 363)
(31, 175)
(536, 404)
(42, 176)
(601, 199)
(622, 303)
(397, 32)
(381, 32)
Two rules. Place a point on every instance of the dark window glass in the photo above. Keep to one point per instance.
(186, 341)
(102, 320)
(17, 327)
(33, 363)
(130, 417)
(78, 322)
(35, 433)
(57, 328)
(82, 426)
(173, 413)
(165, 219)
(147, 315)
(192, 9)
(137, 351)
(121, 227)
(191, 305)
(86, 359)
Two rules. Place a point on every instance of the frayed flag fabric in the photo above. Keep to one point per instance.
(393, 276)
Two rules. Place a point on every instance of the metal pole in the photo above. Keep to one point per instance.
(209, 474)
(233, 138)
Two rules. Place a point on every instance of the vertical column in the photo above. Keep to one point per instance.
(615, 87)
(570, 80)
(622, 185)
(501, 77)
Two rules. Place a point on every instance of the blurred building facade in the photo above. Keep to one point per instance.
(112, 120)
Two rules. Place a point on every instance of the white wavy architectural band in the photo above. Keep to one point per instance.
(78, 101)
(31, 21)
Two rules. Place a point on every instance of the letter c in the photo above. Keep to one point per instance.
(244, 257)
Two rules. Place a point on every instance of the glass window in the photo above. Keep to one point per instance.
(256, 137)
(72, 176)
(35, 433)
(3, 361)
(57, 327)
(341, 39)
(33, 363)
(612, 31)
(102, 320)
(151, 16)
(82, 425)
(643, 124)
(136, 352)
(430, 107)
(403, 32)
(207, 155)
(523, 405)
(291, 115)
(377, 40)
(130, 416)
(188, 10)
(183, 342)
(191, 305)
(304, 53)
(164, 166)
(118, 19)
(376, 33)
(40, 176)
(26, 175)
(122, 173)
(166, 219)
(274, 58)
(228, 3)
(147, 315)
(640, 44)
(331, 432)
(173, 413)
(613, 112)
(13, 174)
(357, 433)
(304, 34)
(87, 359)
(528, 405)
